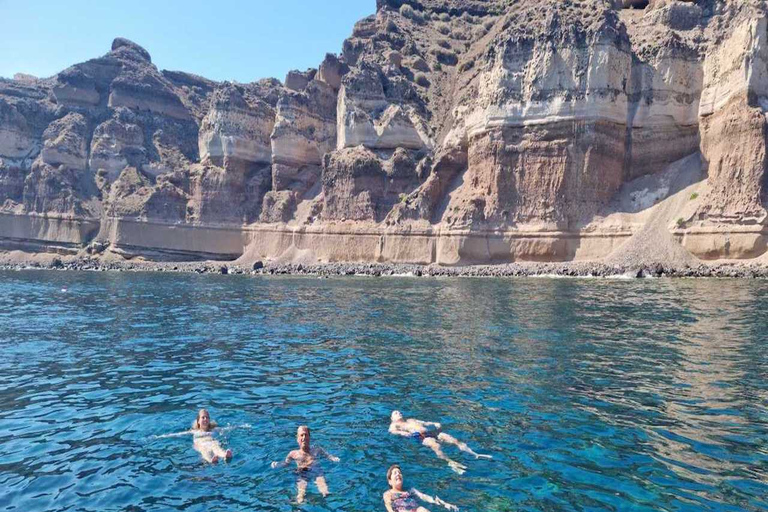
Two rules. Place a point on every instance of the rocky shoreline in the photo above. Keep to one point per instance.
(573, 270)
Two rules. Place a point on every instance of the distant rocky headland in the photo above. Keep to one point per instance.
(601, 134)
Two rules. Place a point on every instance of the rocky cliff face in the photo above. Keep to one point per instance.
(451, 132)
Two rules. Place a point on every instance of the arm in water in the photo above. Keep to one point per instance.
(288, 459)
(434, 500)
(230, 428)
(327, 455)
(175, 434)
(192, 432)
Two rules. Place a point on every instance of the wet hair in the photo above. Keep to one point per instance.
(302, 427)
(196, 423)
(391, 469)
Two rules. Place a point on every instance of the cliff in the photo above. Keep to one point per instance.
(450, 132)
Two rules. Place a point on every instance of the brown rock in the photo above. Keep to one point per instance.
(332, 70)
(298, 80)
(449, 131)
(64, 142)
(353, 183)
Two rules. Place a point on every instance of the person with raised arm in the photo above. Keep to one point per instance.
(307, 464)
(398, 500)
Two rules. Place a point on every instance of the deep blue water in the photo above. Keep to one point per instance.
(591, 395)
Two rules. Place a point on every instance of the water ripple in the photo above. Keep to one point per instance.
(592, 395)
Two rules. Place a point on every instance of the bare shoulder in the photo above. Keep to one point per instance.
(293, 454)
(387, 496)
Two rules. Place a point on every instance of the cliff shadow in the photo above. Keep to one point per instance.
(454, 186)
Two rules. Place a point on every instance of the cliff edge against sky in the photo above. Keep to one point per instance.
(450, 132)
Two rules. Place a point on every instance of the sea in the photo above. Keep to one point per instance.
(589, 394)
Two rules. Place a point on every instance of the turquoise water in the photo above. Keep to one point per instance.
(591, 395)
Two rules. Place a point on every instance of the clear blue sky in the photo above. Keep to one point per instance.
(241, 40)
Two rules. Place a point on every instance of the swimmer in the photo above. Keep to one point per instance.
(202, 430)
(306, 459)
(430, 434)
(397, 500)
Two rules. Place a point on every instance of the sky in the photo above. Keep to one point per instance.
(236, 40)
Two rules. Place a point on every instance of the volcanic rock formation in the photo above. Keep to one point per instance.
(450, 131)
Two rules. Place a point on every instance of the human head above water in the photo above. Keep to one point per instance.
(203, 420)
(396, 416)
(395, 477)
(302, 437)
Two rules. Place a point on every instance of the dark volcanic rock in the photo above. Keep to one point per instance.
(127, 47)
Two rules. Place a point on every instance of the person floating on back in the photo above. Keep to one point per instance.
(397, 500)
(209, 448)
(430, 434)
(306, 459)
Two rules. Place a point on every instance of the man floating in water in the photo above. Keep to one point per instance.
(306, 459)
(430, 434)
(398, 500)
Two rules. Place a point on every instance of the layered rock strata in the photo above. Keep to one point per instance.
(451, 132)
